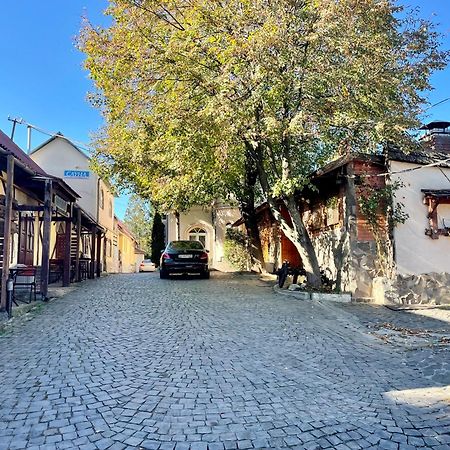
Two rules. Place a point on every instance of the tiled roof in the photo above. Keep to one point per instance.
(125, 229)
(420, 157)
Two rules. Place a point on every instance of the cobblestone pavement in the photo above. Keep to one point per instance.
(131, 361)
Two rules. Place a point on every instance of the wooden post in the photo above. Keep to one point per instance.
(67, 241)
(99, 247)
(92, 268)
(45, 266)
(77, 256)
(9, 193)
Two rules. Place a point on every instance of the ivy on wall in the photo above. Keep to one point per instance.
(383, 214)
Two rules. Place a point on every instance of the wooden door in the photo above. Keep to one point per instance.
(60, 241)
(26, 240)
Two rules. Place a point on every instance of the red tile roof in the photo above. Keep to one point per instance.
(125, 229)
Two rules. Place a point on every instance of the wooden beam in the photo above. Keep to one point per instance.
(9, 194)
(67, 241)
(99, 247)
(29, 208)
(93, 235)
(77, 256)
(57, 219)
(45, 265)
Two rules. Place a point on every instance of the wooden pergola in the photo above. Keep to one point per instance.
(51, 201)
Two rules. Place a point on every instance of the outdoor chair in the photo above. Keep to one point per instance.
(24, 278)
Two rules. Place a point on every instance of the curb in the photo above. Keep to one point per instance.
(315, 296)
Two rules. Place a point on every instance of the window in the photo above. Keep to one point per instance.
(198, 234)
(102, 198)
(110, 208)
(186, 245)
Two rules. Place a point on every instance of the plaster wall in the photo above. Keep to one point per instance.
(215, 228)
(24, 199)
(59, 155)
(415, 252)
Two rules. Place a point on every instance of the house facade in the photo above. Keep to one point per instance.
(63, 159)
(207, 225)
(40, 223)
(403, 262)
(129, 255)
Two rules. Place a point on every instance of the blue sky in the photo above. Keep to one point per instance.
(42, 79)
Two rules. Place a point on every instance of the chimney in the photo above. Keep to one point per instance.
(436, 137)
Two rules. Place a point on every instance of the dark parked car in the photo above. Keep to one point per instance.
(184, 257)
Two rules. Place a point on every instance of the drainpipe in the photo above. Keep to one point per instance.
(98, 199)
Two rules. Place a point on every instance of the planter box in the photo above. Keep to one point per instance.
(341, 298)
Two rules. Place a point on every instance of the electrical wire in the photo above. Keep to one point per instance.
(87, 148)
(79, 144)
(438, 103)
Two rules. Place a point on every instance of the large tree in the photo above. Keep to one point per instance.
(138, 218)
(158, 238)
(194, 92)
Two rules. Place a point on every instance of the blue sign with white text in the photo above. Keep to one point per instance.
(83, 174)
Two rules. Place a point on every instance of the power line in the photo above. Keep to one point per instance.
(81, 145)
(438, 103)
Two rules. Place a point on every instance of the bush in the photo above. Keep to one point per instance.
(236, 250)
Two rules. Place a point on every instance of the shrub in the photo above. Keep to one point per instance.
(236, 250)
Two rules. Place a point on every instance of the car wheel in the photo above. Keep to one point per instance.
(163, 274)
(205, 275)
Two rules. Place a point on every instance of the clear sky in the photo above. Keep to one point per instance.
(42, 79)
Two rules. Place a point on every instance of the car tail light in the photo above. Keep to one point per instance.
(204, 255)
(166, 256)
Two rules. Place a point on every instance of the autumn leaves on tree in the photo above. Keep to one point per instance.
(245, 99)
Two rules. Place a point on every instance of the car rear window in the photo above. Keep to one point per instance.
(186, 245)
(147, 261)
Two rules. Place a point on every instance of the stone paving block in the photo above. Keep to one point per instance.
(132, 361)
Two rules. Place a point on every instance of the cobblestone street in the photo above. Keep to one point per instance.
(132, 361)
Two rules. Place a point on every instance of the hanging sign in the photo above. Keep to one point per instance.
(60, 204)
(81, 174)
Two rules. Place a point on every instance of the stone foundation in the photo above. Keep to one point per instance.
(424, 289)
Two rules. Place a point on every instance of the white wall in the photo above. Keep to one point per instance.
(417, 253)
(202, 218)
(58, 156)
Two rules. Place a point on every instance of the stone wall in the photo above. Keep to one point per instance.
(429, 288)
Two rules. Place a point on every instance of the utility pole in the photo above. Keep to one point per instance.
(28, 139)
(15, 121)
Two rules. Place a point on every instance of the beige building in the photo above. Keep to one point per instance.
(61, 158)
(207, 225)
(129, 255)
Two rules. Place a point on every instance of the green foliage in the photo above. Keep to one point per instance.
(383, 213)
(158, 238)
(379, 202)
(138, 218)
(191, 90)
(183, 86)
(236, 249)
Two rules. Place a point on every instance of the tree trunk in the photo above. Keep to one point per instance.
(247, 203)
(302, 241)
(251, 226)
(297, 232)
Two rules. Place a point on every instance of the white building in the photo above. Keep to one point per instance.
(207, 225)
(61, 158)
(422, 243)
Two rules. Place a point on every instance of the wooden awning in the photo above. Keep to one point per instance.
(433, 198)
